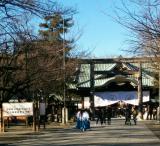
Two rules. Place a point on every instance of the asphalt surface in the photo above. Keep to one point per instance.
(154, 126)
(116, 134)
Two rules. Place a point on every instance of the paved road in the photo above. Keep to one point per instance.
(116, 134)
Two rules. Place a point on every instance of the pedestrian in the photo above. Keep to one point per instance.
(85, 123)
(109, 115)
(78, 119)
(104, 115)
(150, 112)
(99, 116)
(154, 113)
(134, 113)
(128, 115)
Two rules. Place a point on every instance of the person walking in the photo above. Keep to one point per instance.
(85, 117)
(99, 116)
(104, 116)
(128, 115)
(109, 115)
(150, 112)
(85, 123)
(134, 113)
(78, 119)
(155, 113)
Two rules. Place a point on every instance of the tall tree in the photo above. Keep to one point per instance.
(57, 47)
(16, 36)
(142, 18)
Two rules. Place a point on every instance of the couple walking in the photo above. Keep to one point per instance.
(102, 114)
(83, 122)
(131, 112)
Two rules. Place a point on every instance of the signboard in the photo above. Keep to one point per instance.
(17, 109)
(86, 102)
(42, 108)
(108, 98)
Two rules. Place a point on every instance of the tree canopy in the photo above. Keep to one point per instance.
(28, 61)
(141, 17)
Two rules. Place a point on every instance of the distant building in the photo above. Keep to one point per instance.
(101, 82)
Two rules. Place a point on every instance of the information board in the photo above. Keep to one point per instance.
(17, 109)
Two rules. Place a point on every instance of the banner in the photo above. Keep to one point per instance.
(17, 109)
(108, 98)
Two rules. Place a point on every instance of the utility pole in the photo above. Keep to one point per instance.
(158, 114)
(64, 75)
(140, 92)
(1, 113)
(92, 90)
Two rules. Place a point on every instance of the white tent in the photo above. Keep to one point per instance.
(108, 98)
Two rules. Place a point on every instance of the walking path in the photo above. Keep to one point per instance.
(116, 134)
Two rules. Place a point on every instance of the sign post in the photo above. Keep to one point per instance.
(1, 120)
(16, 109)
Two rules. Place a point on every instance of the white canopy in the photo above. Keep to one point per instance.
(108, 98)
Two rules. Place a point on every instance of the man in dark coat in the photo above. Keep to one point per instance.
(128, 113)
(109, 114)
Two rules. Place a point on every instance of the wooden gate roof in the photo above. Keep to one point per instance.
(104, 73)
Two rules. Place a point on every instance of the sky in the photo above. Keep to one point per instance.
(100, 34)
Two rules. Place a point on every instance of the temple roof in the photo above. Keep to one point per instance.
(105, 73)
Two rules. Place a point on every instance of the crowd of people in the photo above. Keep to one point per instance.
(103, 115)
(150, 112)
(129, 112)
